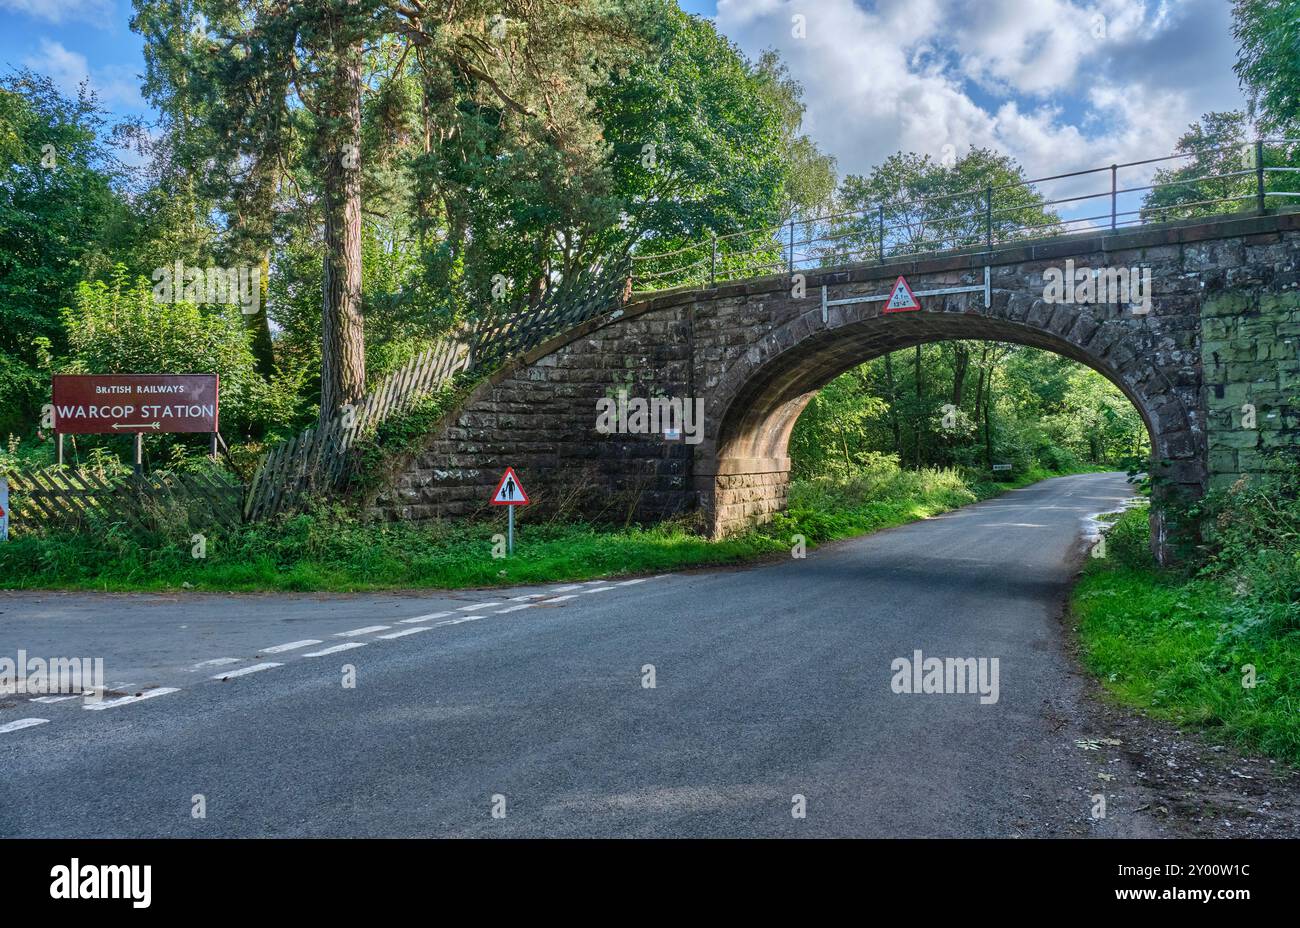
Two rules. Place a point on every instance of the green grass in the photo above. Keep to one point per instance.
(1175, 646)
(325, 550)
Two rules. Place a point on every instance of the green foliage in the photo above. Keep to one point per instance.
(932, 206)
(327, 548)
(699, 136)
(1252, 545)
(1179, 642)
(60, 217)
(930, 406)
(120, 328)
(401, 435)
(1221, 144)
(1268, 59)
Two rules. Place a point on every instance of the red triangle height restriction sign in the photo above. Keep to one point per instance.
(510, 492)
(901, 299)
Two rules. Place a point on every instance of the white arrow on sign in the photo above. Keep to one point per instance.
(143, 425)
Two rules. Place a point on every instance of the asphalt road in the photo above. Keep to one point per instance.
(770, 683)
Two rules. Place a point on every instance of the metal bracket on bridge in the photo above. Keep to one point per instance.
(986, 289)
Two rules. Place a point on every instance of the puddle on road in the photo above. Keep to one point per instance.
(1093, 524)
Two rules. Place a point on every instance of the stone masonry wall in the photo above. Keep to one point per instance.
(753, 353)
(1250, 352)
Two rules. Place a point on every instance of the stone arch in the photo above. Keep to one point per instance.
(742, 470)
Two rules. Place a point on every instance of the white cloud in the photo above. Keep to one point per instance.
(69, 69)
(1061, 85)
(92, 12)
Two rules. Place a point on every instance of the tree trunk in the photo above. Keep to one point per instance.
(893, 407)
(961, 361)
(343, 350)
(988, 435)
(259, 326)
(916, 364)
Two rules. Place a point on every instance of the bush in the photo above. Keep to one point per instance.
(1128, 540)
(118, 328)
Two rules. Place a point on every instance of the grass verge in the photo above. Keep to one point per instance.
(326, 550)
(1182, 647)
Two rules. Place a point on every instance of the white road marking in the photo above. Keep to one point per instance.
(630, 582)
(598, 589)
(472, 606)
(363, 631)
(515, 599)
(127, 700)
(468, 618)
(216, 662)
(291, 646)
(20, 724)
(560, 599)
(515, 608)
(404, 632)
(54, 698)
(336, 649)
(246, 670)
(565, 589)
(422, 618)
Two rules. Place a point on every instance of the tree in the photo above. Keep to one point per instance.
(1218, 173)
(705, 143)
(925, 205)
(1268, 60)
(63, 211)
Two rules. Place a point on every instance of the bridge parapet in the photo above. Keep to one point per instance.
(1221, 332)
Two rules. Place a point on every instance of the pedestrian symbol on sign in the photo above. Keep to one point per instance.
(510, 491)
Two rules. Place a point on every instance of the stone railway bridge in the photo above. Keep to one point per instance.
(1222, 332)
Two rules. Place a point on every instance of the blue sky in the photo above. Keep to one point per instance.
(1060, 84)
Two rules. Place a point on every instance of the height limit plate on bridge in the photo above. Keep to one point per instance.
(901, 299)
(510, 492)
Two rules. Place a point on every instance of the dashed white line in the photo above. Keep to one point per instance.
(291, 646)
(515, 608)
(127, 700)
(404, 632)
(630, 582)
(565, 589)
(336, 649)
(598, 589)
(468, 618)
(473, 606)
(363, 631)
(55, 698)
(216, 662)
(422, 618)
(20, 724)
(246, 670)
(560, 599)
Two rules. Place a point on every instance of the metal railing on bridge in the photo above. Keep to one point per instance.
(982, 217)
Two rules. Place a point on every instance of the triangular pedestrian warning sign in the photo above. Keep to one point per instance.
(902, 299)
(510, 492)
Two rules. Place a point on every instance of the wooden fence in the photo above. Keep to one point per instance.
(66, 497)
(318, 460)
(585, 297)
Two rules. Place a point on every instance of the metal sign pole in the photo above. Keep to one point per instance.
(139, 453)
(510, 530)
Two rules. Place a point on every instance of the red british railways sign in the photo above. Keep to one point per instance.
(109, 404)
